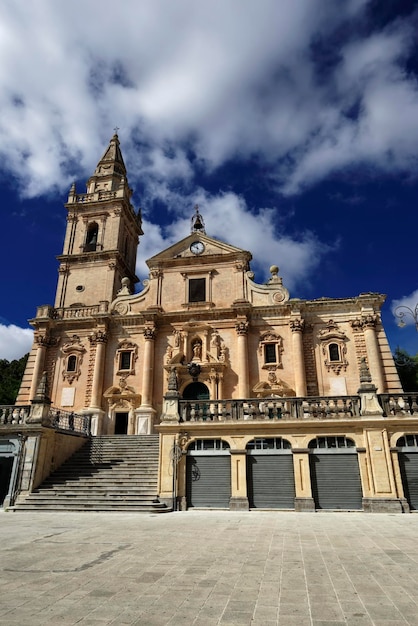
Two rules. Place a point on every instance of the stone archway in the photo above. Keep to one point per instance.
(196, 391)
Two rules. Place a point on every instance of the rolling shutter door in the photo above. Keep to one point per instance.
(208, 480)
(336, 482)
(270, 480)
(408, 462)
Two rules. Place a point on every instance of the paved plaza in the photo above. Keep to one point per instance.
(206, 568)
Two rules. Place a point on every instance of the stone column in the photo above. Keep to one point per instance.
(239, 499)
(242, 365)
(98, 339)
(380, 494)
(296, 326)
(369, 323)
(145, 413)
(148, 367)
(42, 341)
(213, 378)
(303, 489)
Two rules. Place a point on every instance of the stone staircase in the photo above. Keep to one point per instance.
(115, 473)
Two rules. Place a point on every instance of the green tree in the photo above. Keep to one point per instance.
(11, 373)
(407, 366)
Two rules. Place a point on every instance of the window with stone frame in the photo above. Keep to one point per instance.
(334, 349)
(126, 356)
(197, 289)
(73, 352)
(91, 237)
(72, 363)
(334, 352)
(270, 348)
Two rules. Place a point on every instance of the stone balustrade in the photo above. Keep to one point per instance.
(259, 409)
(74, 312)
(11, 415)
(399, 404)
(97, 196)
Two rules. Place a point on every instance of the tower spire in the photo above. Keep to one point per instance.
(110, 172)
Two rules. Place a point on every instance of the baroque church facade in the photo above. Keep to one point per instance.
(260, 400)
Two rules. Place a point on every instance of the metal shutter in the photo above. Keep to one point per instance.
(408, 462)
(270, 481)
(336, 482)
(208, 480)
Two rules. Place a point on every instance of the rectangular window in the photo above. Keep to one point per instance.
(270, 353)
(125, 360)
(197, 289)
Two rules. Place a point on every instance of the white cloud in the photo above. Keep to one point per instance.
(229, 219)
(406, 309)
(230, 78)
(193, 85)
(15, 342)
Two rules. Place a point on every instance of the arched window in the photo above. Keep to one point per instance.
(274, 443)
(408, 441)
(328, 443)
(91, 238)
(334, 352)
(72, 363)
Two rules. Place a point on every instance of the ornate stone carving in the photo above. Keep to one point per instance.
(270, 349)
(149, 333)
(155, 273)
(172, 380)
(73, 352)
(242, 328)
(366, 321)
(297, 325)
(369, 321)
(334, 348)
(132, 348)
(99, 336)
(125, 289)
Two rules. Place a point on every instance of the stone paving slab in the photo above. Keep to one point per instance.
(208, 568)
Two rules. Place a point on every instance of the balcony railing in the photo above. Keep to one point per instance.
(70, 421)
(270, 409)
(11, 415)
(399, 404)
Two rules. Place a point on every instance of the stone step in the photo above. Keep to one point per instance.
(106, 474)
(109, 508)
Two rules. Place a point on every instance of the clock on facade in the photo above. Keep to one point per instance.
(197, 247)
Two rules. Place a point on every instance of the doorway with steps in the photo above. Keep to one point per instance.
(121, 423)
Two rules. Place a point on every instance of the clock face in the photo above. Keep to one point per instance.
(197, 247)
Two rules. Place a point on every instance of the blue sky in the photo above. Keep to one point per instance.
(294, 126)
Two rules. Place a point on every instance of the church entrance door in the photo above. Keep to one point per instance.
(198, 395)
(121, 423)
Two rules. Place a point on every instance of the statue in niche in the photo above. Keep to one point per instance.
(223, 352)
(197, 350)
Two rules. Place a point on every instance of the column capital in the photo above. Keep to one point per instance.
(369, 321)
(99, 336)
(297, 325)
(242, 328)
(43, 340)
(150, 333)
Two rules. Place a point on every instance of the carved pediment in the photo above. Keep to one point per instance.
(273, 387)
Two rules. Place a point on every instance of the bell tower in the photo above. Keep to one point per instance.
(101, 239)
